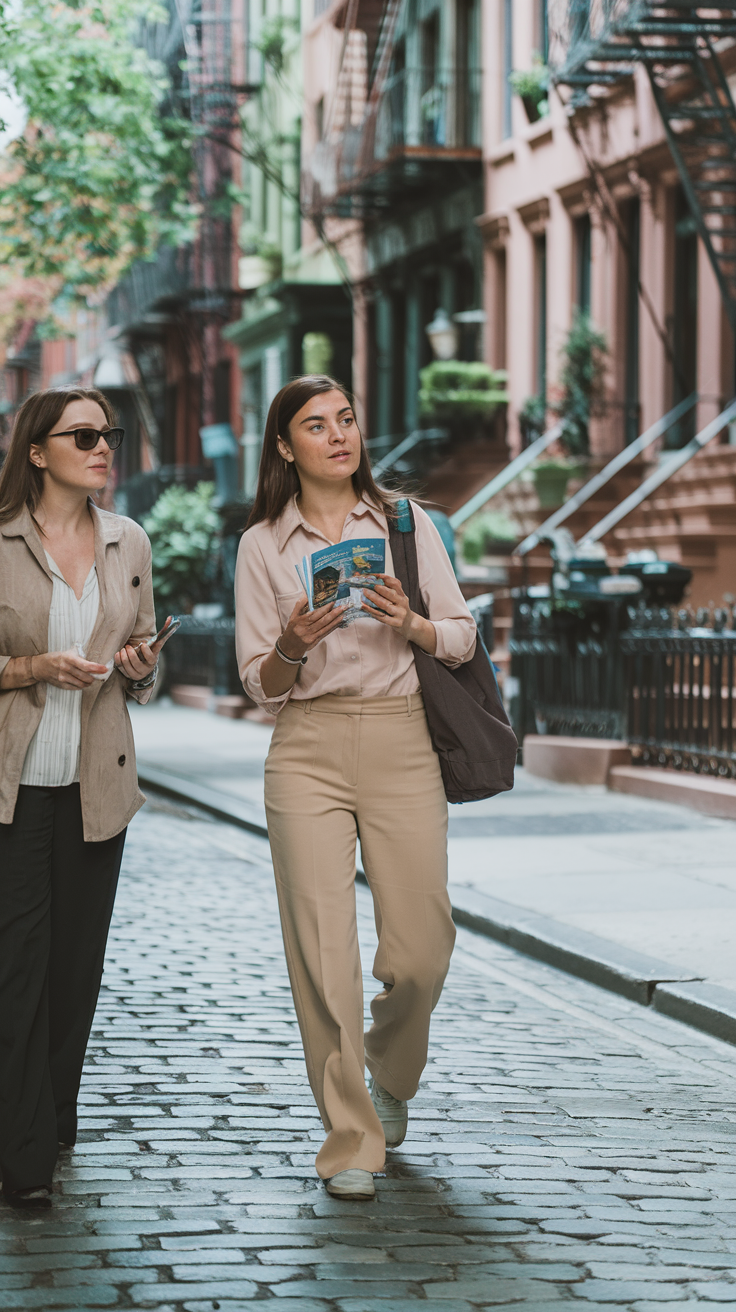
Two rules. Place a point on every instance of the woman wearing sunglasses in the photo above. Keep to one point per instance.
(76, 606)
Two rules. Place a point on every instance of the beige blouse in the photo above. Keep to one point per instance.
(365, 659)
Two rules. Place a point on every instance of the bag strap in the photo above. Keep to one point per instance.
(402, 536)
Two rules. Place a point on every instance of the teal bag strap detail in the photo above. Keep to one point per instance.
(404, 517)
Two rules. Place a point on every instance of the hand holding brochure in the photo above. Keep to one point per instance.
(341, 573)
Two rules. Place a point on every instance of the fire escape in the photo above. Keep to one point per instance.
(689, 53)
(396, 128)
(212, 32)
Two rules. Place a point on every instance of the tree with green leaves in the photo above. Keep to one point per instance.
(100, 176)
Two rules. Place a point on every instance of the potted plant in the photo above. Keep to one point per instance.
(490, 534)
(551, 477)
(460, 393)
(532, 85)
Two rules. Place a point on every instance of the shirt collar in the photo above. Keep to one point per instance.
(291, 518)
(89, 582)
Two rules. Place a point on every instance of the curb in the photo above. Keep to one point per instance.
(597, 960)
(707, 1007)
(223, 806)
(633, 975)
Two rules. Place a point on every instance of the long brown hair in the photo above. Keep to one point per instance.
(278, 479)
(21, 483)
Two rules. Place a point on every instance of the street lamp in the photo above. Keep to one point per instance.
(443, 336)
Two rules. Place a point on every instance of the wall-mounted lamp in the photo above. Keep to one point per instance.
(443, 336)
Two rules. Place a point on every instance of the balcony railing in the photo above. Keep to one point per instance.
(419, 108)
(421, 120)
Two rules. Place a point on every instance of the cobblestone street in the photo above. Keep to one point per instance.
(567, 1148)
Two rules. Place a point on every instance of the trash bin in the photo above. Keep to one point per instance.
(663, 581)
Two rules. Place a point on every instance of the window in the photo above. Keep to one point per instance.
(540, 313)
(432, 103)
(582, 263)
(542, 32)
(222, 392)
(499, 309)
(508, 66)
(468, 129)
(631, 380)
(685, 334)
(579, 20)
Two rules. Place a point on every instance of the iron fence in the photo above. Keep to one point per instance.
(664, 680)
(203, 653)
(681, 701)
(567, 669)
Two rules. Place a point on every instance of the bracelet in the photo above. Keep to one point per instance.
(150, 679)
(301, 660)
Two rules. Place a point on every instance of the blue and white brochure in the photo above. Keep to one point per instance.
(341, 573)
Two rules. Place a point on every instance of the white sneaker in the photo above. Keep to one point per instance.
(393, 1113)
(351, 1184)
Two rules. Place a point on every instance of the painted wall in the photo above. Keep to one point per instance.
(538, 186)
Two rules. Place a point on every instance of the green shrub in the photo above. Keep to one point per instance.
(533, 419)
(183, 528)
(453, 390)
(582, 379)
(484, 531)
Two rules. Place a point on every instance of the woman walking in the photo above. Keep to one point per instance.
(76, 607)
(351, 754)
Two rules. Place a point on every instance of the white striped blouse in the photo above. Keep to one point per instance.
(52, 759)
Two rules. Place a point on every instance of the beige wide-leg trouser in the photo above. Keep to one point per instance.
(340, 767)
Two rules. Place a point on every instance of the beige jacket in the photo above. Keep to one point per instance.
(108, 778)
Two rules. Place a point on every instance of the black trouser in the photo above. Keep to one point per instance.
(56, 900)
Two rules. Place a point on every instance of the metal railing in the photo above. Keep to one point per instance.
(506, 476)
(423, 114)
(567, 669)
(613, 467)
(420, 437)
(660, 679)
(681, 695)
(428, 107)
(660, 476)
(203, 653)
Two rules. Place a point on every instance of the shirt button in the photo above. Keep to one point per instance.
(136, 581)
(121, 760)
(353, 658)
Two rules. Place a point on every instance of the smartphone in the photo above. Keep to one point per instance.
(166, 632)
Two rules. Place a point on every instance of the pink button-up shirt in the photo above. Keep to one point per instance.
(365, 659)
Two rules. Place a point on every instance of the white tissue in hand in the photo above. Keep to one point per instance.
(109, 665)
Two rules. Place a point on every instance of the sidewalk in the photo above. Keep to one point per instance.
(637, 896)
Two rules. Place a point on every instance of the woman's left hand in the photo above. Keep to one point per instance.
(137, 662)
(389, 604)
(390, 599)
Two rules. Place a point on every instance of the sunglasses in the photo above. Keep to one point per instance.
(86, 439)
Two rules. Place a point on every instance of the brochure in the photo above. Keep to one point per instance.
(341, 573)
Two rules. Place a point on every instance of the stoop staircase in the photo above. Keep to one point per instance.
(690, 519)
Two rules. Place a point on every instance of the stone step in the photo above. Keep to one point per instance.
(703, 792)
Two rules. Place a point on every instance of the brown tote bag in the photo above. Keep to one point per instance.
(468, 725)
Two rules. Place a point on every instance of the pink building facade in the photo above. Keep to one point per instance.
(580, 207)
